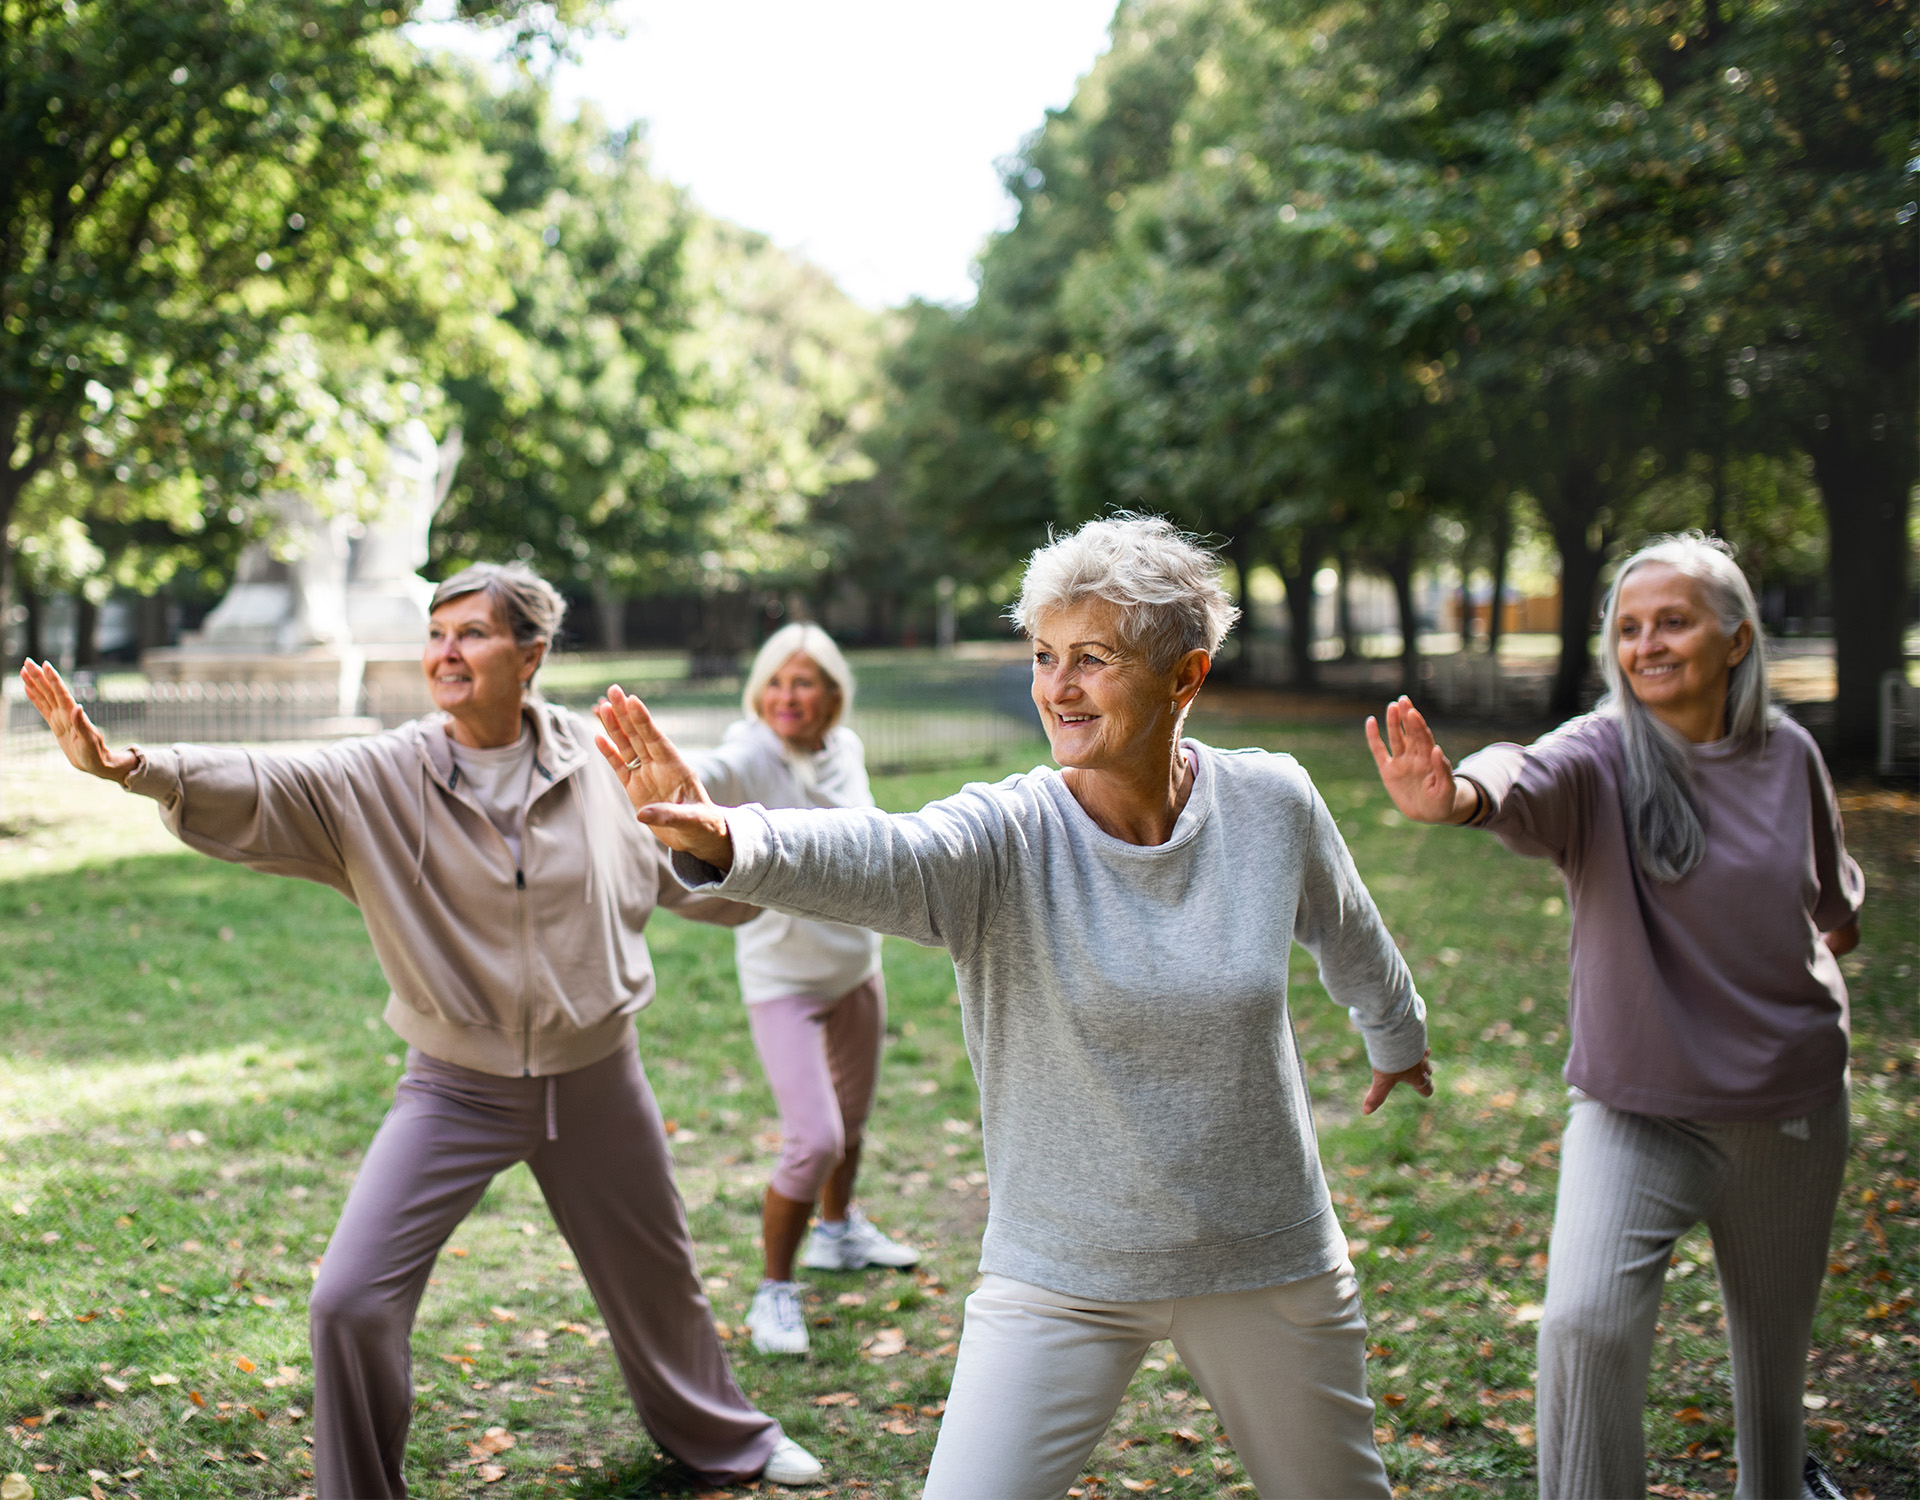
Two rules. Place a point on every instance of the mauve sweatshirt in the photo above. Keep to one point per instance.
(1143, 1106)
(1712, 998)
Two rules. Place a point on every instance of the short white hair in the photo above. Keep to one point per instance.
(789, 641)
(1165, 584)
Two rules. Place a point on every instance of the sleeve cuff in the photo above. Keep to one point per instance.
(156, 775)
(752, 845)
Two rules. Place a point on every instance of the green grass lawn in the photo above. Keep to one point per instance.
(192, 1066)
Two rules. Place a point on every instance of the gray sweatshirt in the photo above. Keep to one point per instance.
(1145, 1113)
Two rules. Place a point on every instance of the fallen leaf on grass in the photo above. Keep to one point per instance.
(196, 1398)
(15, 1487)
(1829, 1424)
(490, 1473)
(1186, 1435)
(36, 1315)
(495, 1440)
(244, 1365)
(851, 1299)
(163, 1379)
(837, 1398)
(117, 1386)
(505, 1314)
(1812, 1402)
(452, 1359)
(1690, 1415)
(1138, 1485)
(886, 1343)
(1529, 1312)
(1394, 1398)
(899, 1427)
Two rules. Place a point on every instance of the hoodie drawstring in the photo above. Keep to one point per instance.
(553, 1115)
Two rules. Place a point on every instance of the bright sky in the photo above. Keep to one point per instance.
(860, 133)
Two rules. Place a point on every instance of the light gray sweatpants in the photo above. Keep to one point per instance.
(1630, 1186)
(1040, 1375)
(597, 1147)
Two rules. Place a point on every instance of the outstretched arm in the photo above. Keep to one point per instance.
(665, 793)
(79, 739)
(1416, 774)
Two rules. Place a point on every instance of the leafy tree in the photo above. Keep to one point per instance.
(197, 300)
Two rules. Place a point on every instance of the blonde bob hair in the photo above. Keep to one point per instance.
(789, 641)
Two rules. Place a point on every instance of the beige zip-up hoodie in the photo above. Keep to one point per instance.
(514, 971)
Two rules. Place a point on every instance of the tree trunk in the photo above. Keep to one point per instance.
(1580, 566)
(1502, 539)
(1239, 667)
(34, 644)
(1349, 637)
(611, 608)
(1863, 484)
(1399, 565)
(1299, 586)
(86, 624)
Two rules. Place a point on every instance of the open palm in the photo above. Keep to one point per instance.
(79, 739)
(666, 794)
(1416, 774)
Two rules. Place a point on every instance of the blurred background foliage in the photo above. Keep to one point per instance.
(1377, 287)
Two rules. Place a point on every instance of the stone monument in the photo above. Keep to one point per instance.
(332, 600)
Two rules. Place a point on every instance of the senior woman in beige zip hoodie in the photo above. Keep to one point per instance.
(504, 884)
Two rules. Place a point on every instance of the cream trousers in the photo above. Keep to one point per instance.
(1040, 1375)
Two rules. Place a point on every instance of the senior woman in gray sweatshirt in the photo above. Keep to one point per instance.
(1120, 931)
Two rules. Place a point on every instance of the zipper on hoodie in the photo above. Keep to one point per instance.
(526, 999)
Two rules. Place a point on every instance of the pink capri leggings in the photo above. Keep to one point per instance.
(822, 1058)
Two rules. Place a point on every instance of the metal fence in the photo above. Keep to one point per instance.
(912, 716)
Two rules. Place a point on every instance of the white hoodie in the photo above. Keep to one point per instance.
(777, 954)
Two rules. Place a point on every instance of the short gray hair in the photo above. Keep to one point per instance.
(1664, 820)
(789, 641)
(530, 606)
(1164, 582)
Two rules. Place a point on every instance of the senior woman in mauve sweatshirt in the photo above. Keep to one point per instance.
(1711, 892)
(1120, 931)
(504, 887)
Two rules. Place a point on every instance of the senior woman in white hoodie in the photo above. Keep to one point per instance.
(505, 892)
(1120, 932)
(815, 999)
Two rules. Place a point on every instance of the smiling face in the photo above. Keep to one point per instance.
(476, 670)
(1102, 703)
(799, 702)
(1672, 653)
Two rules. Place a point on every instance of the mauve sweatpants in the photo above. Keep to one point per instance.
(822, 1061)
(597, 1148)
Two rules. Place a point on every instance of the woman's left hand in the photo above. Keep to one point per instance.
(665, 793)
(1418, 1077)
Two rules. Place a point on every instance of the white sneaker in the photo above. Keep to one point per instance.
(777, 1323)
(792, 1464)
(855, 1246)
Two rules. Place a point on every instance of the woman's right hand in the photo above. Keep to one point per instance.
(665, 793)
(1416, 774)
(79, 740)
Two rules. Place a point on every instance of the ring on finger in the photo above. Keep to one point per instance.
(636, 763)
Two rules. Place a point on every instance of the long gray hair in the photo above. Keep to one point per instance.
(1662, 816)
